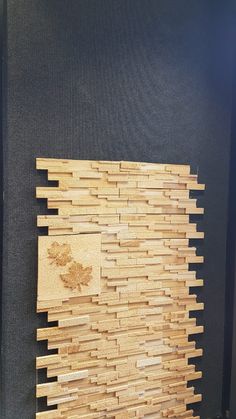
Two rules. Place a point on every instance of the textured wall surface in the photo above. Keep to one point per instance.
(122, 337)
(122, 80)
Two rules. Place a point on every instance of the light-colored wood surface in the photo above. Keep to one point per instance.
(114, 274)
(63, 261)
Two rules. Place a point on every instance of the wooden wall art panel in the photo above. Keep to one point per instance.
(113, 273)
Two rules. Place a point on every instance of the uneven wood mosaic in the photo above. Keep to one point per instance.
(114, 274)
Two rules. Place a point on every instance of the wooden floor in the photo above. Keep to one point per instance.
(114, 274)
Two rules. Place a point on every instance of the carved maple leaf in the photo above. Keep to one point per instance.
(77, 276)
(60, 254)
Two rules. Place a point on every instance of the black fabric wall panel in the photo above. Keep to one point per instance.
(126, 79)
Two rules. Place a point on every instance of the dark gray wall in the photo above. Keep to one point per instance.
(100, 79)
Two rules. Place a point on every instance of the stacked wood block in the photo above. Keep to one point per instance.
(114, 274)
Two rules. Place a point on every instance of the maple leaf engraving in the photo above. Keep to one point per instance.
(77, 275)
(60, 254)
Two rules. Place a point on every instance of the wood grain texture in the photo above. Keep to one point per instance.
(68, 266)
(123, 352)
